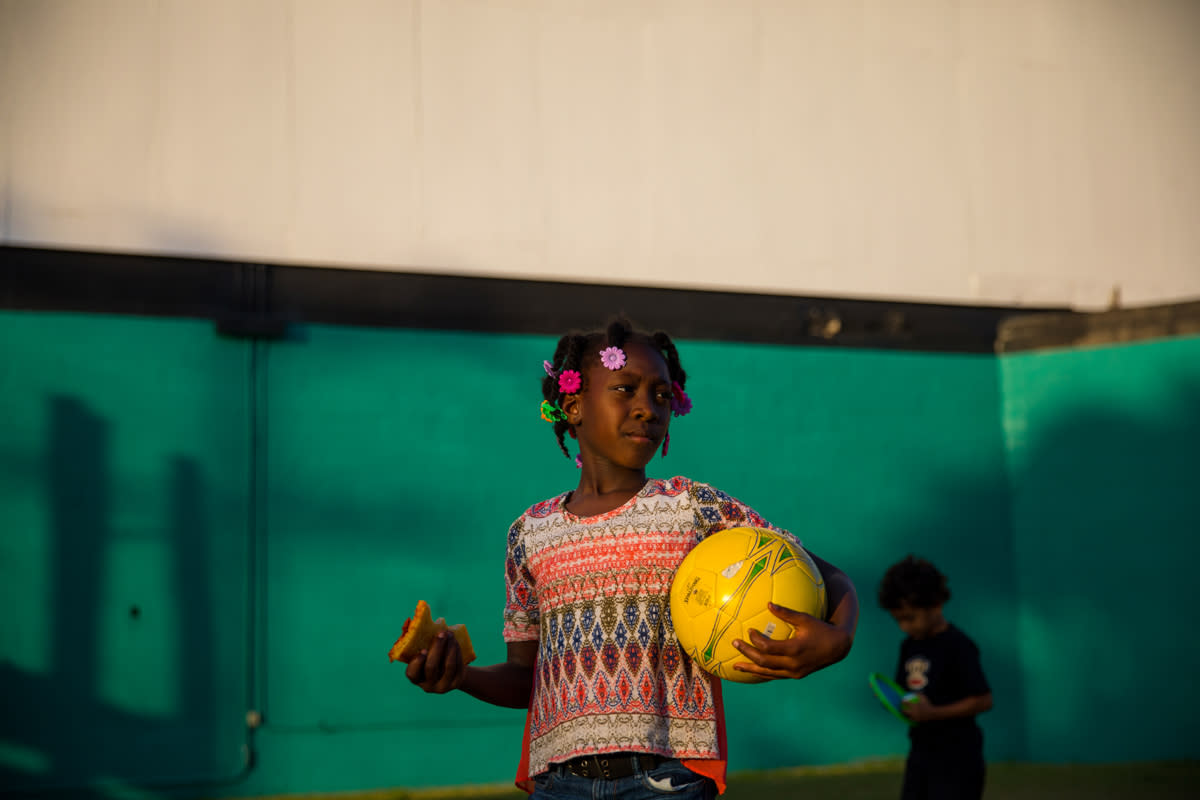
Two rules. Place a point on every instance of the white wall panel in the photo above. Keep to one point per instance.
(78, 109)
(979, 151)
(224, 132)
(356, 138)
(594, 69)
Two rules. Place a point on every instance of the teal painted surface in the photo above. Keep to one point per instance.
(1105, 463)
(390, 464)
(866, 456)
(123, 503)
(397, 460)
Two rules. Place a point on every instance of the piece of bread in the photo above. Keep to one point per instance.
(419, 632)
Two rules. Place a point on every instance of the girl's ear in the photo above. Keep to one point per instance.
(572, 408)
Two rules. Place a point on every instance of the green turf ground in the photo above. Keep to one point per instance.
(1141, 781)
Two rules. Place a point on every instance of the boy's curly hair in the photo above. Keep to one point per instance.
(913, 582)
(578, 349)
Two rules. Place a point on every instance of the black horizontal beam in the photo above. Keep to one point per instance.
(262, 300)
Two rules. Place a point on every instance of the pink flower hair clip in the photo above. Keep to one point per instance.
(569, 381)
(681, 404)
(612, 357)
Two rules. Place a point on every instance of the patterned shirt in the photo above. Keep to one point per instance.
(594, 593)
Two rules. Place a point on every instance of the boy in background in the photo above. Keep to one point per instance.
(940, 665)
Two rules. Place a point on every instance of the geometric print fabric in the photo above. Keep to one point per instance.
(594, 593)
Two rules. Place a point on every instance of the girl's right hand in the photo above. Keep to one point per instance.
(439, 669)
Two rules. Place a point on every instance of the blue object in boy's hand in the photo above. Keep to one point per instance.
(891, 695)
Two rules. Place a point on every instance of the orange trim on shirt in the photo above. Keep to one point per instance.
(711, 767)
(523, 781)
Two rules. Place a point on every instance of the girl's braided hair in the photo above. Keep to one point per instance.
(576, 349)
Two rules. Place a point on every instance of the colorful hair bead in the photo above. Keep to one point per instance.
(681, 404)
(552, 413)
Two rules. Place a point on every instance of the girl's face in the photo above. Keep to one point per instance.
(621, 416)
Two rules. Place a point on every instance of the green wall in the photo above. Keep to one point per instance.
(123, 551)
(275, 510)
(1104, 454)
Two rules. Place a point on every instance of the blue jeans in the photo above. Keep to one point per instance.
(669, 779)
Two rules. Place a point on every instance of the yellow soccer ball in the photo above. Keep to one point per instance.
(722, 588)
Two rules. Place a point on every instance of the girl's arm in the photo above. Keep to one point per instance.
(841, 599)
(508, 684)
(815, 644)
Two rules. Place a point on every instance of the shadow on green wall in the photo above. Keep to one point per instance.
(68, 720)
(1105, 465)
(1072, 565)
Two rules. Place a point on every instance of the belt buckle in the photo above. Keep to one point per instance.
(594, 763)
(601, 765)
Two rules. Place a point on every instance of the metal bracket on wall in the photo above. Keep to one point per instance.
(251, 316)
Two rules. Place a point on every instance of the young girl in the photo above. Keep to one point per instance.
(592, 655)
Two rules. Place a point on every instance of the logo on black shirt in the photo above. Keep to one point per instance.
(916, 673)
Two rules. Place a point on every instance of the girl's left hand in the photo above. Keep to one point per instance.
(813, 645)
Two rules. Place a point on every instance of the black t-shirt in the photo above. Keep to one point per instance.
(945, 668)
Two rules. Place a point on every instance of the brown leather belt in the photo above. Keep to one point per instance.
(612, 765)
